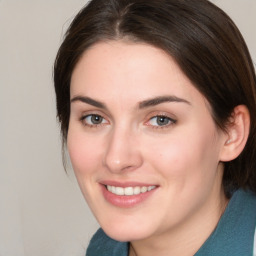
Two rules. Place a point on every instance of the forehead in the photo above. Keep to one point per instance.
(117, 69)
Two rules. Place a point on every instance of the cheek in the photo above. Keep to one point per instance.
(175, 162)
(84, 153)
(185, 160)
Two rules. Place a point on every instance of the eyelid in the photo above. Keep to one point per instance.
(172, 119)
(88, 114)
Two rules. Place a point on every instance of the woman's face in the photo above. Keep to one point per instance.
(143, 144)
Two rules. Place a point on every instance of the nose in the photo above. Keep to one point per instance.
(122, 151)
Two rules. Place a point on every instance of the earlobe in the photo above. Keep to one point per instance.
(237, 134)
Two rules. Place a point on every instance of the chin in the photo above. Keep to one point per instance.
(127, 232)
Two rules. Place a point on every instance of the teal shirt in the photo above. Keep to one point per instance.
(233, 236)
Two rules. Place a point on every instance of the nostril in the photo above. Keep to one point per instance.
(127, 167)
(120, 155)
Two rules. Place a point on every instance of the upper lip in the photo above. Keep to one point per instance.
(125, 184)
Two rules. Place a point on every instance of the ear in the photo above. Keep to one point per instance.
(237, 134)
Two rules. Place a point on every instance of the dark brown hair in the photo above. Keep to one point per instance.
(199, 36)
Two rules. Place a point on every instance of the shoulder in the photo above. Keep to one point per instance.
(235, 232)
(103, 245)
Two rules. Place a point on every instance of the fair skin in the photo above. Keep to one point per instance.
(137, 121)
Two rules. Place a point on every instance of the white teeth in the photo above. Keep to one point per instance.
(118, 191)
(129, 191)
(151, 187)
(143, 189)
(136, 190)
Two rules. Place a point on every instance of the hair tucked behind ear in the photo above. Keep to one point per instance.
(201, 38)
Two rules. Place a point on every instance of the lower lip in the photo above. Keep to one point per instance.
(126, 201)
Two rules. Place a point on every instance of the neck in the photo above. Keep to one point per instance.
(187, 237)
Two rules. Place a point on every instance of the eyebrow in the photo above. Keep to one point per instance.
(89, 101)
(161, 99)
(143, 104)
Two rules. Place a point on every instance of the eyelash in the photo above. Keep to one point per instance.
(92, 125)
(170, 121)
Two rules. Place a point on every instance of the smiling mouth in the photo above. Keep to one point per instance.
(129, 191)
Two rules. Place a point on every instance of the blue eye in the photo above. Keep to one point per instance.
(94, 120)
(161, 121)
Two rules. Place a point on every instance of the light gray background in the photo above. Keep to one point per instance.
(42, 211)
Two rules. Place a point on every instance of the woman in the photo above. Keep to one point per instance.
(157, 103)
